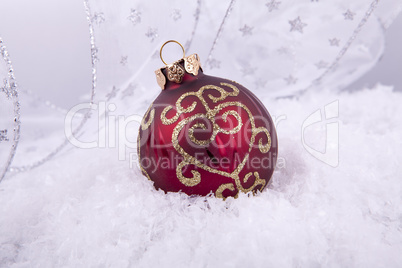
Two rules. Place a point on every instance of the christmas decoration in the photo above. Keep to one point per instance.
(9, 112)
(205, 134)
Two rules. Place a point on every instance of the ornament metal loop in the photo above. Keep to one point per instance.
(171, 41)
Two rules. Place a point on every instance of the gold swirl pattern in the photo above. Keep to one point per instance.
(145, 125)
(211, 116)
(223, 187)
(139, 157)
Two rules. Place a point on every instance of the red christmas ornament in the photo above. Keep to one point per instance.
(206, 134)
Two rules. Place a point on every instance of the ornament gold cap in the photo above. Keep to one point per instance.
(176, 70)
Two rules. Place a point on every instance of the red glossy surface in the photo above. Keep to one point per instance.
(159, 158)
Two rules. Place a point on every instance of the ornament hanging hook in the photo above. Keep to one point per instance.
(171, 41)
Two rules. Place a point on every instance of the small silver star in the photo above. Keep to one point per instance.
(273, 5)
(6, 89)
(247, 70)
(112, 93)
(94, 54)
(349, 15)
(290, 80)
(3, 135)
(129, 91)
(321, 64)
(176, 14)
(152, 33)
(124, 60)
(135, 17)
(4, 53)
(214, 64)
(98, 18)
(334, 42)
(297, 25)
(260, 83)
(246, 30)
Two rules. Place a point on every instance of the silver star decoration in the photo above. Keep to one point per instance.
(94, 55)
(98, 18)
(316, 82)
(112, 93)
(3, 135)
(334, 42)
(272, 5)
(297, 25)
(214, 64)
(349, 15)
(176, 14)
(4, 53)
(124, 60)
(290, 80)
(135, 17)
(321, 64)
(129, 91)
(6, 88)
(152, 33)
(260, 83)
(246, 30)
(247, 70)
